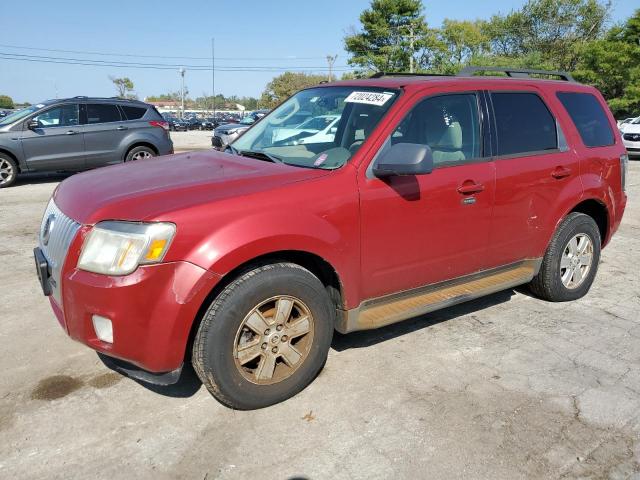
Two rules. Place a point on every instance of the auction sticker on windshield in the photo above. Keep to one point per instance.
(370, 98)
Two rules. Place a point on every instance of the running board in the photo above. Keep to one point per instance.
(379, 312)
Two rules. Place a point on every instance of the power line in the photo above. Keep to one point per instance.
(107, 54)
(156, 66)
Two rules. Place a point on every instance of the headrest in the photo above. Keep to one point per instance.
(451, 138)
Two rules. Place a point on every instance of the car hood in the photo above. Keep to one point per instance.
(228, 126)
(628, 128)
(156, 187)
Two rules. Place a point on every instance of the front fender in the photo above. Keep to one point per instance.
(256, 235)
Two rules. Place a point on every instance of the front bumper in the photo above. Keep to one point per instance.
(633, 148)
(151, 310)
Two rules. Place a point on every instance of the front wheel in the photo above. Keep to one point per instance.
(8, 171)
(571, 261)
(265, 337)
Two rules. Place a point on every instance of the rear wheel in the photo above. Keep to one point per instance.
(8, 171)
(265, 337)
(139, 153)
(571, 260)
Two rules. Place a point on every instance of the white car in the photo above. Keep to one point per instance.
(320, 129)
(624, 121)
(631, 137)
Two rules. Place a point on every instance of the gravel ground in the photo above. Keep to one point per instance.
(505, 387)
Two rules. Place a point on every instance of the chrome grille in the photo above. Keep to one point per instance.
(61, 231)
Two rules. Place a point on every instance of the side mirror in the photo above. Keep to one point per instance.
(333, 129)
(33, 124)
(404, 159)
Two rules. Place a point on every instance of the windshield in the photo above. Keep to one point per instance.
(247, 121)
(636, 121)
(354, 111)
(19, 115)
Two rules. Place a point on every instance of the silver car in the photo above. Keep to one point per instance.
(79, 133)
(224, 134)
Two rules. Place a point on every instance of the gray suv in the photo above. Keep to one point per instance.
(79, 133)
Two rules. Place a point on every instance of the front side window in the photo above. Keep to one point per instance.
(295, 133)
(589, 118)
(62, 116)
(448, 124)
(102, 113)
(524, 124)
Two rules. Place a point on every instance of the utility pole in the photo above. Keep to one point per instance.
(331, 60)
(411, 48)
(181, 72)
(213, 74)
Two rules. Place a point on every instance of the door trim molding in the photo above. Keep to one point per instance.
(381, 311)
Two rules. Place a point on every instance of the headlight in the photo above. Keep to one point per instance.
(118, 248)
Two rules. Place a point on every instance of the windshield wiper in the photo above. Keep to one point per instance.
(259, 155)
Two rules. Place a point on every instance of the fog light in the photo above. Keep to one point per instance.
(103, 328)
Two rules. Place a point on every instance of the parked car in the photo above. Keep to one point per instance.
(625, 121)
(631, 137)
(320, 129)
(79, 133)
(192, 123)
(226, 133)
(208, 123)
(433, 191)
(176, 125)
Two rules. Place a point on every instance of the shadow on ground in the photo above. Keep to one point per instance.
(188, 383)
(36, 178)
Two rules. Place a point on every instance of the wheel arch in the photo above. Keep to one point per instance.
(139, 143)
(600, 214)
(317, 265)
(13, 156)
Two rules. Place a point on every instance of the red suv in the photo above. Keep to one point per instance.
(429, 191)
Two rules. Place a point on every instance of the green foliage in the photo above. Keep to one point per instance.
(6, 102)
(285, 85)
(545, 34)
(124, 87)
(392, 33)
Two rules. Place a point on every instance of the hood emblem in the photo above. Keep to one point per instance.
(47, 228)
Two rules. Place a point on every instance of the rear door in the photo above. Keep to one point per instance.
(57, 142)
(423, 229)
(536, 172)
(104, 128)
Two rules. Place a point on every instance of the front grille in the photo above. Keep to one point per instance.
(62, 231)
(633, 137)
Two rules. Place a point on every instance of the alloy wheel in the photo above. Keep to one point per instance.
(273, 340)
(7, 172)
(576, 261)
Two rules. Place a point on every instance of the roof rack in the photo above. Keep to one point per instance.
(515, 72)
(406, 74)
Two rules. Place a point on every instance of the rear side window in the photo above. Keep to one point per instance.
(133, 113)
(524, 124)
(102, 113)
(589, 118)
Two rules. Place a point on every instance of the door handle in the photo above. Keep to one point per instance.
(560, 172)
(469, 187)
(71, 132)
(121, 128)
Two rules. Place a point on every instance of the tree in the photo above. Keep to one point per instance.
(612, 64)
(285, 85)
(6, 102)
(124, 87)
(392, 34)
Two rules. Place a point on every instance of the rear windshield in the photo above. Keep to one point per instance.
(589, 118)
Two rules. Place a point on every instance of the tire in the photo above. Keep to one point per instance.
(8, 171)
(549, 284)
(225, 326)
(139, 153)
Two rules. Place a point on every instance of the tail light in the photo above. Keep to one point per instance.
(159, 124)
(624, 166)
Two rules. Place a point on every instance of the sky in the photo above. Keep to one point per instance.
(273, 34)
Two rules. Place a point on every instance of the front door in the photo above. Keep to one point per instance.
(57, 142)
(423, 229)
